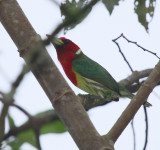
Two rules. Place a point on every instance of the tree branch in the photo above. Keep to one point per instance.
(134, 77)
(144, 49)
(146, 132)
(134, 134)
(8, 99)
(2, 122)
(135, 104)
(125, 59)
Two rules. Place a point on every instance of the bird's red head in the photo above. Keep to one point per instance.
(66, 49)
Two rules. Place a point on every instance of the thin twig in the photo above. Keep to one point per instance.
(134, 134)
(34, 122)
(2, 122)
(8, 100)
(125, 59)
(146, 131)
(144, 49)
(23, 110)
(18, 80)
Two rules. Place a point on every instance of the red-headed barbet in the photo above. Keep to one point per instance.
(87, 74)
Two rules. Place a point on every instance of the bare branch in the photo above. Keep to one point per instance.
(18, 80)
(23, 110)
(144, 49)
(146, 132)
(2, 122)
(135, 76)
(133, 42)
(135, 104)
(134, 134)
(125, 59)
(7, 99)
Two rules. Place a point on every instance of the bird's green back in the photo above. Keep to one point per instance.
(88, 68)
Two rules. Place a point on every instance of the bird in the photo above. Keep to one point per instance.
(85, 73)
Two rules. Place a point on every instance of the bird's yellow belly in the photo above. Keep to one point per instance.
(94, 88)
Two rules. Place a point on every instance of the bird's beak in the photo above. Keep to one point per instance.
(56, 41)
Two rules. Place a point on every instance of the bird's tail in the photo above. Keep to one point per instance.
(125, 93)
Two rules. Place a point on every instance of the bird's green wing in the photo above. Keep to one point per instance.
(88, 68)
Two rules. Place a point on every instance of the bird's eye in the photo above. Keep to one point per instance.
(66, 41)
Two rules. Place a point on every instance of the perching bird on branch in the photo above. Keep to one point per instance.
(87, 74)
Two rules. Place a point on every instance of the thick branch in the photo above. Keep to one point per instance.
(135, 76)
(135, 104)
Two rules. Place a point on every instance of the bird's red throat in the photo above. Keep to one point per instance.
(66, 57)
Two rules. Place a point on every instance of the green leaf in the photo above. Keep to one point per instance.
(110, 4)
(56, 126)
(11, 121)
(145, 11)
(45, 112)
(28, 136)
(15, 144)
(53, 127)
(70, 10)
(25, 136)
